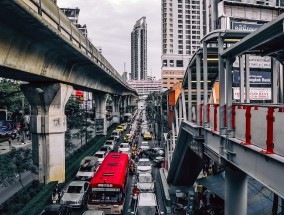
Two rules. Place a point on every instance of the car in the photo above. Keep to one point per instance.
(113, 138)
(124, 126)
(128, 138)
(145, 182)
(124, 148)
(93, 212)
(105, 149)
(147, 136)
(155, 152)
(144, 130)
(110, 144)
(100, 155)
(120, 128)
(88, 167)
(56, 209)
(75, 194)
(147, 204)
(158, 161)
(144, 165)
(116, 134)
(144, 146)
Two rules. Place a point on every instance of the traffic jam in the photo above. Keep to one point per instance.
(120, 178)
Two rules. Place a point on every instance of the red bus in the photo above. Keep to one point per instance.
(108, 186)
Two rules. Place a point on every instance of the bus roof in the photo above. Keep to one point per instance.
(111, 172)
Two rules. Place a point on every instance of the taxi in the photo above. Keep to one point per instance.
(147, 136)
(120, 128)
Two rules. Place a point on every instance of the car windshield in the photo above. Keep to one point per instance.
(114, 133)
(104, 149)
(146, 210)
(145, 179)
(84, 168)
(74, 189)
(99, 155)
(108, 143)
(124, 146)
(111, 138)
(144, 163)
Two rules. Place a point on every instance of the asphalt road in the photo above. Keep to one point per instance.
(128, 208)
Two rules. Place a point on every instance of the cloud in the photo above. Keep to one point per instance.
(110, 23)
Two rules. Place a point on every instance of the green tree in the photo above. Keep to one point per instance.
(11, 96)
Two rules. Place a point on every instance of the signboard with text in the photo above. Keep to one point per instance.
(256, 77)
(256, 62)
(256, 93)
(99, 123)
(245, 26)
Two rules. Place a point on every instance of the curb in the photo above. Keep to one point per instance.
(166, 188)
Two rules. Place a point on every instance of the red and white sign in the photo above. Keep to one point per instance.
(256, 93)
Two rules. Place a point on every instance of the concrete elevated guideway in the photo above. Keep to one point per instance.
(243, 136)
(39, 45)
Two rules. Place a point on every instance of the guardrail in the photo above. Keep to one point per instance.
(52, 14)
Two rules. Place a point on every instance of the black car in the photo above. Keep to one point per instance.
(56, 209)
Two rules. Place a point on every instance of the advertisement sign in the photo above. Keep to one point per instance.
(99, 123)
(255, 77)
(256, 62)
(255, 93)
(245, 26)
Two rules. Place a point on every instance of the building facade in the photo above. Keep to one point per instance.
(139, 50)
(145, 87)
(181, 33)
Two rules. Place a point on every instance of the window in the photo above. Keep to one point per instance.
(171, 63)
(179, 63)
(165, 63)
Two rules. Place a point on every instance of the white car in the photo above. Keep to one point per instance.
(144, 146)
(76, 194)
(100, 155)
(88, 167)
(110, 144)
(93, 212)
(144, 165)
(124, 148)
(116, 134)
(145, 182)
(124, 126)
(147, 204)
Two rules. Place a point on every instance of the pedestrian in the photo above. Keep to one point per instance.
(10, 141)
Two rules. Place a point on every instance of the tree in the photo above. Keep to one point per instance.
(11, 96)
(20, 161)
(14, 164)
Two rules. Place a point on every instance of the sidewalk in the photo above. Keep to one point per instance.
(4, 146)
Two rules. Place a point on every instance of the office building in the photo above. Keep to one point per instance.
(139, 50)
(145, 87)
(181, 33)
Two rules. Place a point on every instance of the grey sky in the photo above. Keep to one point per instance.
(110, 23)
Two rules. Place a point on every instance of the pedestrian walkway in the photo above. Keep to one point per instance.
(4, 146)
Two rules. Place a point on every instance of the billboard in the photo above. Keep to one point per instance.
(99, 125)
(256, 62)
(256, 93)
(255, 77)
(245, 26)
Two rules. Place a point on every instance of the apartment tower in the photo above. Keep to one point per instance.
(139, 50)
(181, 33)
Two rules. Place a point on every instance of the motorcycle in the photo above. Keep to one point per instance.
(179, 208)
(132, 169)
(55, 198)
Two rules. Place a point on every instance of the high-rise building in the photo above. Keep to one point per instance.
(139, 50)
(181, 33)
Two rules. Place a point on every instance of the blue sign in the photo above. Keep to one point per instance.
(255, 77)
(245, 26)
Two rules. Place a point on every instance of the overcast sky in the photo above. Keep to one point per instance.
(110, 22)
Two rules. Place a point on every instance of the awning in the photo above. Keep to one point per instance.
(260, 198)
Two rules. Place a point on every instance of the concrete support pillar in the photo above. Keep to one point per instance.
(48, 126)
(205, 85)
(275, 66)
(198, 89)
(242, 79)
(115, 104)
(100, 104)
(183, 104)
(247, 79)
(222, 87)
(235, 192)
(189, 95)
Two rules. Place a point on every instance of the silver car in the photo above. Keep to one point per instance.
(75, 194)
(145, 182)
(93, 212)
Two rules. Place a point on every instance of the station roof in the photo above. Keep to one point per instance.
(267, 40)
